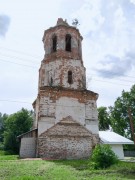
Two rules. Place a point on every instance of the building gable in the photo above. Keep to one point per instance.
(66, 140)
(67, 127)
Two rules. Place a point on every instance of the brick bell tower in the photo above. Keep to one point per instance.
(65, 111)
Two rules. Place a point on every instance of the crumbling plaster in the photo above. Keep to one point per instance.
(58, 71)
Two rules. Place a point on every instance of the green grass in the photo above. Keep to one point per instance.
(16, 169)
(4, 156)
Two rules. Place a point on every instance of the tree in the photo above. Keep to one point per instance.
(15, 125)
(119, 113)
(103, 117)
(2, 125)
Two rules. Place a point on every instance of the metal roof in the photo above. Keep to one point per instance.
(21, 135)
(109, 137)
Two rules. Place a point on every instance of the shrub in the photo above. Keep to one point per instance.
(103, 156)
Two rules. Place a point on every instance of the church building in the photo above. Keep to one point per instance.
(66, 120)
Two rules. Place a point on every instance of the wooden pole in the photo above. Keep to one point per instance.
(131, 123)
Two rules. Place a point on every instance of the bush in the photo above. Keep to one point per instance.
(103, 157)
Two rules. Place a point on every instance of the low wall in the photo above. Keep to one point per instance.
(28, 147)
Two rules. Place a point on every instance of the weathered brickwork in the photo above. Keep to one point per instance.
(60, 30)
(57, 103)
(55, 93)
(57, 71)
(66, 116)
(66, 140)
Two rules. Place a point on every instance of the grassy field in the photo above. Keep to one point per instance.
(12, 168)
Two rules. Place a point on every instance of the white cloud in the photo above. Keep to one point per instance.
(107, 28)
(132, 1)
(112, 66)
(89, 16)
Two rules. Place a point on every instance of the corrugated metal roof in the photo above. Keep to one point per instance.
(109, 137)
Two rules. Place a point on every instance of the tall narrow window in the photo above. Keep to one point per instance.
(54, 43)
(70, 78)
(51, 82)
(68, 42)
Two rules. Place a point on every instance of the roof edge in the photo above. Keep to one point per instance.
(26, 133)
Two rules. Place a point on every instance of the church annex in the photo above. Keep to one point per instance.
(66, 120)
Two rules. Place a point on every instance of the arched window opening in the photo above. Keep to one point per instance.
(54, 43)
(68, 43)
(70, 78)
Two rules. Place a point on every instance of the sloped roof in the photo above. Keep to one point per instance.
(22, 135)
(109, 137)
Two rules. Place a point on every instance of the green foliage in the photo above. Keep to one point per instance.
(103, 117)
(1, 146)
(103, 156)
(15, 125)
(2, 125)
(119, 113)
(117, 116)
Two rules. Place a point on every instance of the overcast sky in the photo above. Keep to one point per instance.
(108, 30)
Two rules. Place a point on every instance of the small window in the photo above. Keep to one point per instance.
(51, 81)
(92, 105)
(70, 78)
(54, 43)
(68, 43)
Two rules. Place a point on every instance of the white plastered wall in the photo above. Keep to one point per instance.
(45, 123)
(66, 106)
(118, 150)
(91, 116)
(28, 147)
